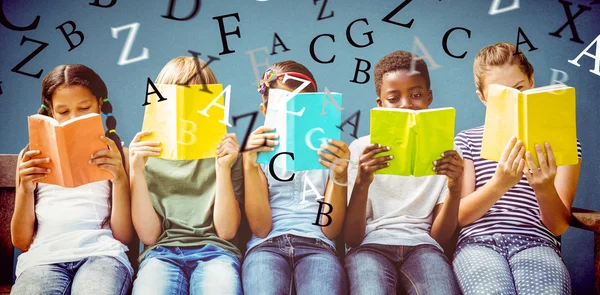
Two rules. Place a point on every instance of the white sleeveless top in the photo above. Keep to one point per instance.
(69, 226)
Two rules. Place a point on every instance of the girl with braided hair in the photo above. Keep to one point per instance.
(73, 239)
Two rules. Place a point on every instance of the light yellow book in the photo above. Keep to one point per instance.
(535, 116)
(416, 138)
(184, 133)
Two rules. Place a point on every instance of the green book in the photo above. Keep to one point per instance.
(416, 138)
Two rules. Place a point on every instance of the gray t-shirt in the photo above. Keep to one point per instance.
(399, 208)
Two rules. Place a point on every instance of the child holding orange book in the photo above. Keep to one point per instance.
(73, 239)
(511, 215)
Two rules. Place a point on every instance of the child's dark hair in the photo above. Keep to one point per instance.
(396, 61)
(289, 66)
(77, 74)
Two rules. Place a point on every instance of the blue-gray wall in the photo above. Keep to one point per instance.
(296, 24)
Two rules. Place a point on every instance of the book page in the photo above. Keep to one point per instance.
(501, 121)
(197, 134)
(80, 139)
(42, 137)
(396, 129)
(161, 119)
(434, 135)
(546, 88)
(551, 116)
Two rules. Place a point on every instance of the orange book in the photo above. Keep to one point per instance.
(69, 146)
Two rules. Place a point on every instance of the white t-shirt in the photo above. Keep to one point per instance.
(399, 208)
(69, 230)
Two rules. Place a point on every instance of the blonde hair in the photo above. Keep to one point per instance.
(184, 70)
(498, 54)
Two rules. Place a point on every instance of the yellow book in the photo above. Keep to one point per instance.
(185, 133)
(416, 138)
(535, 116)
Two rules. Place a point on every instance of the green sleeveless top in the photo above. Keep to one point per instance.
(183, 195)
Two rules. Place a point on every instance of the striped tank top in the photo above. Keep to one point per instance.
(517, 212)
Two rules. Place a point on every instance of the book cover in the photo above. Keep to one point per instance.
(69, 146)
(303, 122)
(416, 138)
(535, 116)
(184, 133)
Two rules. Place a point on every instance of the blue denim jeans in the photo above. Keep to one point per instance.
(94, 275)
(384, 269)
(510, 264)
(189, 270)
(288, 263)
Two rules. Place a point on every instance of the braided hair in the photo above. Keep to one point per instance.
(77, 74)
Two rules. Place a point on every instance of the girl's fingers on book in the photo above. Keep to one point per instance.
(325, 163)
(508, 148)
(541, 158)
(339, 144)
(514, 152)
(100, 153)
(102, 160)
(326, 156)
(34, 162)
(550, 154)
(34, 177)
(29, 154)
(111, 144)
(33, 170)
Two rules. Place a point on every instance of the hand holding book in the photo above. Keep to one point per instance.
(139, 151)
(541, 178)
(336, 159)
(109, 159)
(30, 170)
(369, 164)
(227, 151)
(450, 165)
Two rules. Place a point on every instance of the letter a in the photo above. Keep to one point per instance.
(426, 55)
(128, 43)
(596, 57)
(494, 8)
(331, 101)
(227, 92)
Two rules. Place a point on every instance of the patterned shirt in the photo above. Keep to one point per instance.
(517, 211)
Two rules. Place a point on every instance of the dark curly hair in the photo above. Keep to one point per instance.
(396, 61)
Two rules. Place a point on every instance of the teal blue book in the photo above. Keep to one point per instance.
(303, 121)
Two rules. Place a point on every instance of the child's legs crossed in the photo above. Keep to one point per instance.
(267, 270)
(48, 279)
(426, 270)
(101, 275)
(540, 270)
(161, 273)
(218, 272)
(480, 269)
(371, 270)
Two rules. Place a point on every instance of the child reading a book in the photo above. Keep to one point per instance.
(186, 211)
(511, 214)
(287, 252)
(395, 224)
(73, 239)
